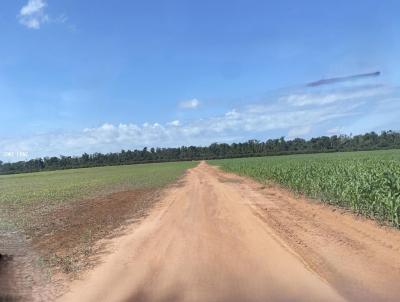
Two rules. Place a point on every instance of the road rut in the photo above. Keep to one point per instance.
(220, 237)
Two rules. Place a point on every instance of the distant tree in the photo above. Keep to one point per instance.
(367, 141)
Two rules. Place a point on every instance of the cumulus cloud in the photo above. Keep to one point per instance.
(236, 124)
(32, 14)
(190, 104)
(287, 114)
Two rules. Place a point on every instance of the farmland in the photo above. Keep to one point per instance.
(222, 237)
(55, 218)
(57, 186)
(366, 182)
(213, 226)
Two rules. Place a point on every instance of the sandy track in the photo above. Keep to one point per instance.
(219, 237)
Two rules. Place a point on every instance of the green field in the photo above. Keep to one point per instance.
(56, 186)
(25, 197)
(366, 182)
(63, 213)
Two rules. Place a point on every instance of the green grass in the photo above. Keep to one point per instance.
(59, 186)
(366, 182)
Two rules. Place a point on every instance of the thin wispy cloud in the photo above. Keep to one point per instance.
(175, 123)
(333, 96)
(336, 131)
(299, 131)
(189, 104)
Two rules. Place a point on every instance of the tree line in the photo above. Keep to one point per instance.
(280, 146)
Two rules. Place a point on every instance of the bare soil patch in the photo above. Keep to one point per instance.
(59, 242)
(220, 237)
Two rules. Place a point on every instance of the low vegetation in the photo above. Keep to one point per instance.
(25, 198)
(56, 186)
(366, 182)
(57, 217)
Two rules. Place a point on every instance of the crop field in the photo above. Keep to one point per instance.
(58, 216)
(25, 197)
(57, 186)
(366, 182)
(29, 195)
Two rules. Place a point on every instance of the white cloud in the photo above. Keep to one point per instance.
(174, 123)
(32, 7)
(60, 19)
(254, 120)
(237, 124)
(299, 131)
(190, 104)
(32, 14)
(325, 98)
(336, 131)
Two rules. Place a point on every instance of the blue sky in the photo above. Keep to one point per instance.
(87, 76)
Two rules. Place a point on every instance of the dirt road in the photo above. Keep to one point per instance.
(220, 237)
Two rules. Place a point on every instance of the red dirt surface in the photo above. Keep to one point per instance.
(220, 237)
(60, 242)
